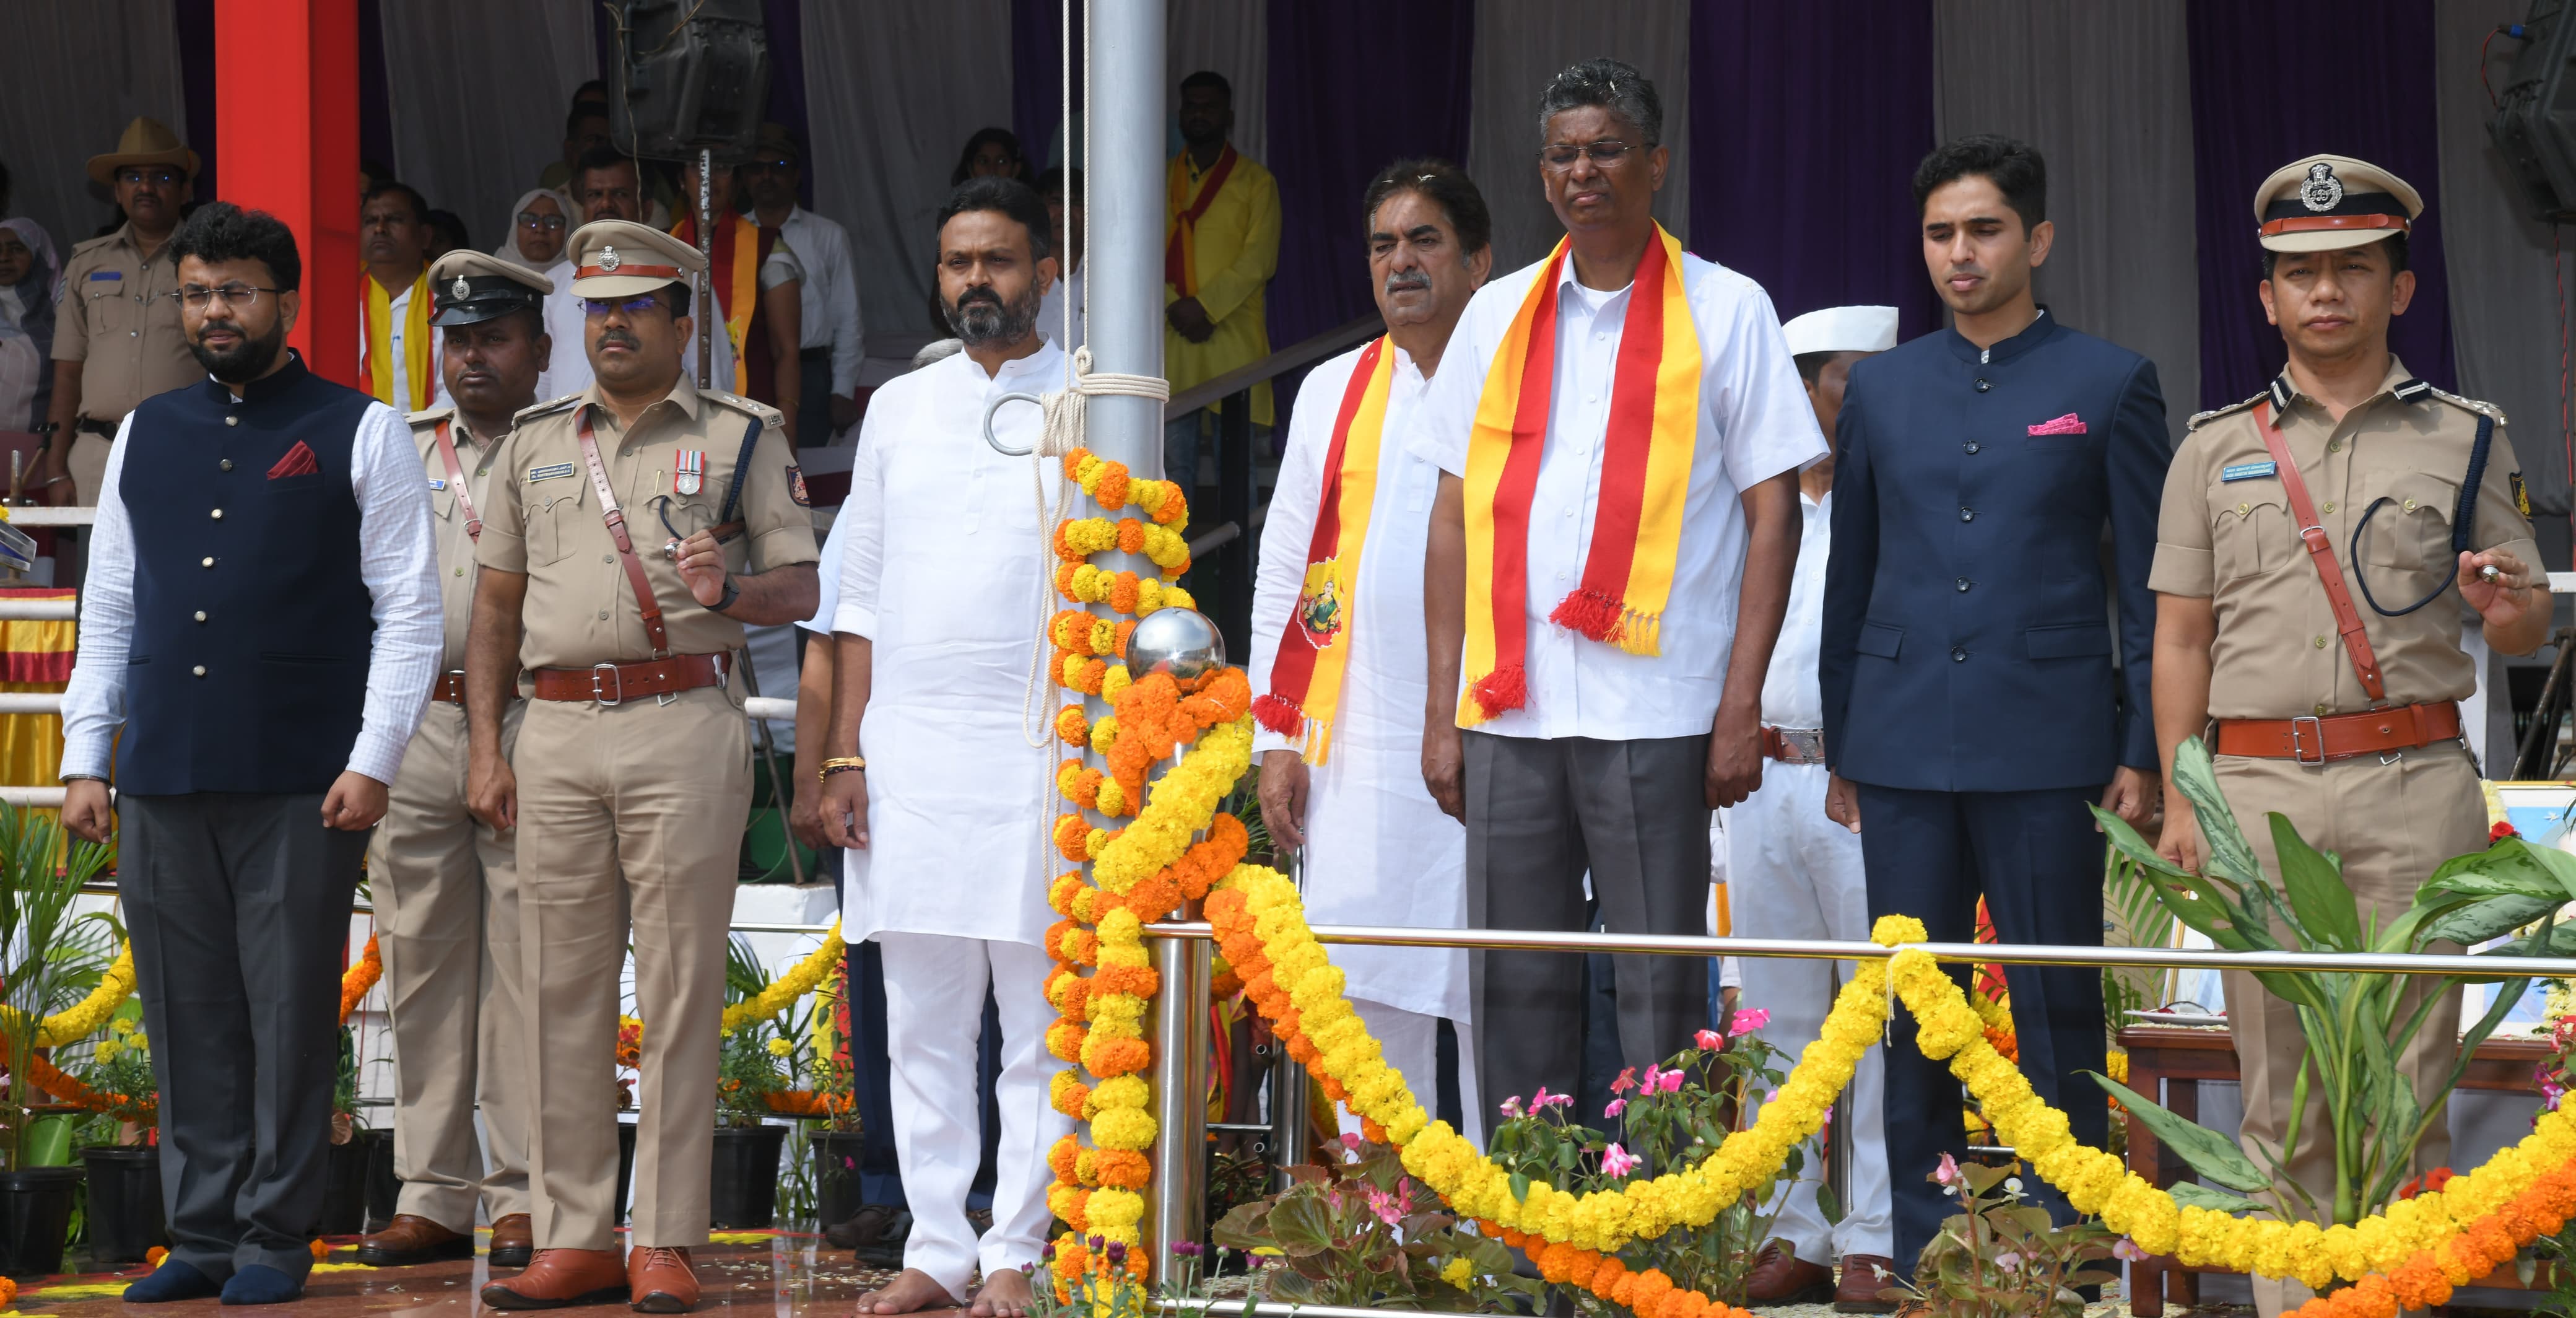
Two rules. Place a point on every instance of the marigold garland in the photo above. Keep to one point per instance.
(85, 1017)
(357, 979)
(782, 993)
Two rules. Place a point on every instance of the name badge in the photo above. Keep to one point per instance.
(436, 484)
(2246, 471)
(558, 470)
(97, 275)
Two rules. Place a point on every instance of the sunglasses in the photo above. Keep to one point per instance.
(633, 306)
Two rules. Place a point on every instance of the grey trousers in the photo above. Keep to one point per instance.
(238, 905)
(1540, 814)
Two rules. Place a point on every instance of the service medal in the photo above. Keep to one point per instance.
(689, 471)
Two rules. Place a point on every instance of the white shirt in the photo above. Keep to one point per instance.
(1790, 696)
(830, 293)
(1754, 423)
(569, 371)
(397, 559)
(398, 336)
(1378, 849)
(945, 569)
(1051, 321)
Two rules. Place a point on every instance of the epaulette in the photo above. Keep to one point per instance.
(433, 415)
(86, 244)
(550, 406)
(2216, 412)
(769, 416)
(2478, 406)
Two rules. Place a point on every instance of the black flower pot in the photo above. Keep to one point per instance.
(35, 1216)
(742, 1191)
(625, 1168)
(384, 1189)
(344, 1190)
(836, 1175)
(125, 1217)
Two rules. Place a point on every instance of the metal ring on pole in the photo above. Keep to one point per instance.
(996, 406)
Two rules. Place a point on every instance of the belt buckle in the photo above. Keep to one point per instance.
(2319, 734)
(1807, 744)
(602, 697)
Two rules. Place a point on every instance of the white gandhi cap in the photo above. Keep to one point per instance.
(1842, 329)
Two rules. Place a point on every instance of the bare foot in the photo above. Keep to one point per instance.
(1006, 1295)
(911, 1292)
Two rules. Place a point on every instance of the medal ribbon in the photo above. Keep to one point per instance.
(377, 363)
(1646, 454)
(1180, 252)
(1305, 680)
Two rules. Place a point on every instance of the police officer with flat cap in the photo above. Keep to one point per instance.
(2327, 672)
(630, 532)
(445, 883)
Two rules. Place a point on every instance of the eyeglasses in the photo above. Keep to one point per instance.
(1605, 153)
(162, 177)
(633, 306)
(236, 294)
(532, 220)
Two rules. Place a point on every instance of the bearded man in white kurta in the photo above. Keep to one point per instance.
(1337, 635)
(944, 588)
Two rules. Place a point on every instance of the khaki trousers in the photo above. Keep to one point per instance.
(2391, 823)
(632, 811)
(446, 892)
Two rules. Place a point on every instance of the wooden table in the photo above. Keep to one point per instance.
(2185, 1053)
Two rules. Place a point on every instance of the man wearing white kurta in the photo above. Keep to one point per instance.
(944, 587)
(1797, 874)
(1377, 848)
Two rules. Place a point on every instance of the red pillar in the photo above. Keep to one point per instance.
(286, 129)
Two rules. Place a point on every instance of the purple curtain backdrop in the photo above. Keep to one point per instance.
(375, 103)
(1037, 76)
(1807, 122)
(2251, 113)
(196, 23)
(785, 20)
(1341, 110)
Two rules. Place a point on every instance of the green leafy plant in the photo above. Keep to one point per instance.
(759, 1057)
(51, 956)
(1356, 1231)
(2139, 919)
(2356, 1025)
(2002, 1257)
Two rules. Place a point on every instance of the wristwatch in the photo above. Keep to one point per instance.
(731, 593)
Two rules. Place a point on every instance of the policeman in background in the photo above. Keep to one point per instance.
(632, 530)
(446, 884)
(2334, 670)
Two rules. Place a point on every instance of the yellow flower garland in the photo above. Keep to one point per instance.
(783, 991)
(85, 1017)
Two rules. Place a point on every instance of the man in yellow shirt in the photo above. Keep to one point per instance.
(1221, 249)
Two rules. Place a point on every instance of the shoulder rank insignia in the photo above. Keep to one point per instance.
(796, 487)
(2521, 494)
(2478, 405)
(768, 415)
(2199, 418)
(541, 409)
(689, 471)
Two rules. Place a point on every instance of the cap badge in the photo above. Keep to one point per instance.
(608, 255)
(2322, 190)
(460, 290)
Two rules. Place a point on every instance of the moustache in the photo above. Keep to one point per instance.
(975, 295)
(1406, 280)
(618, 337)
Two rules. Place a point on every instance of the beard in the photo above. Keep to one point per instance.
(980, 316)
(244, 363)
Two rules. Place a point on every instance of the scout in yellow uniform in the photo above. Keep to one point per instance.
(2332, 666)
(446, 884)
(630, 532)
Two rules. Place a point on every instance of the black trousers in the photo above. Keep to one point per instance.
(814, 398)
(1540, 815)
(2038, 862)
(238, 905)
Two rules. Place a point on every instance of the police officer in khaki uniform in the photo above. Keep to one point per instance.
(116, 332)
(630, 533)
(2333, 669)
(446, 884)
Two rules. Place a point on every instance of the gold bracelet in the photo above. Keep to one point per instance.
(840, 764)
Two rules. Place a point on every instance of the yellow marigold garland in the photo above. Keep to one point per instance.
(85, 1017)
(781, 994)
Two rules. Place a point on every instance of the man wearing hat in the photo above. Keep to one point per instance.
(831, 347)
(445, 883)
(2333, 669)
(1796, 874)
(116, 335)
(630, 532)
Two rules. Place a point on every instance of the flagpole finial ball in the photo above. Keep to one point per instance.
(1181, 642)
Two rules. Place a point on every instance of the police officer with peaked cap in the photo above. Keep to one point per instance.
(446, 884)
(630, 532)
(2327, 673)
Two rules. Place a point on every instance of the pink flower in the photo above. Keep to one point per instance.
(1349, 1140)
(1627, 1080)
(1547, 1100)
(1708, 1040)
(1388, 1208)
(1654, 1077)
(2127, 1251)
(1672, 1082)
(1948, 1172)
(1616, 1161)
(1617, 1106)
(1748, 1020)
(1512, 1106)
(2008, 1261)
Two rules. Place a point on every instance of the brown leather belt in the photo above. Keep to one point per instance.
(2317, 740)
(1794, 745)
(615, 684)
(450, 688)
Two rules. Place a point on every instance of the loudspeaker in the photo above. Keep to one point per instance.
(686, 75)
(2535, 121)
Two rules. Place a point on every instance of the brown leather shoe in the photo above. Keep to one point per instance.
(557, 1278)
(513, 1241)
(659, 1280)
(1861, 1284)
(410, 1239)
(1780, 1277)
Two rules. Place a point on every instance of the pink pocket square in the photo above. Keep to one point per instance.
(2069, 424)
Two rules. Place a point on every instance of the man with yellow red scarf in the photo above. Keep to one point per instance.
(1619, 430)
(759, 299)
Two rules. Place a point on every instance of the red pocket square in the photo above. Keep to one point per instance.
(2069, 424)
(298, 462)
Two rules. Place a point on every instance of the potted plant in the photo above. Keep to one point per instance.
(52, 957)
(123, 1218)
(757, 1060)
(1354, 1230)
(835, 1139)
(344, 1171)
(2001, 1256)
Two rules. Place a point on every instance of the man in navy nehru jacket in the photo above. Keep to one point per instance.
(261, 626)
(1972, 707)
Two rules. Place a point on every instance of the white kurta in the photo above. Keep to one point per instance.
(1378, 850)
(946, 571)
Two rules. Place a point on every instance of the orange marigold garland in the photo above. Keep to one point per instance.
(357, 979)
(2486, 1244)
